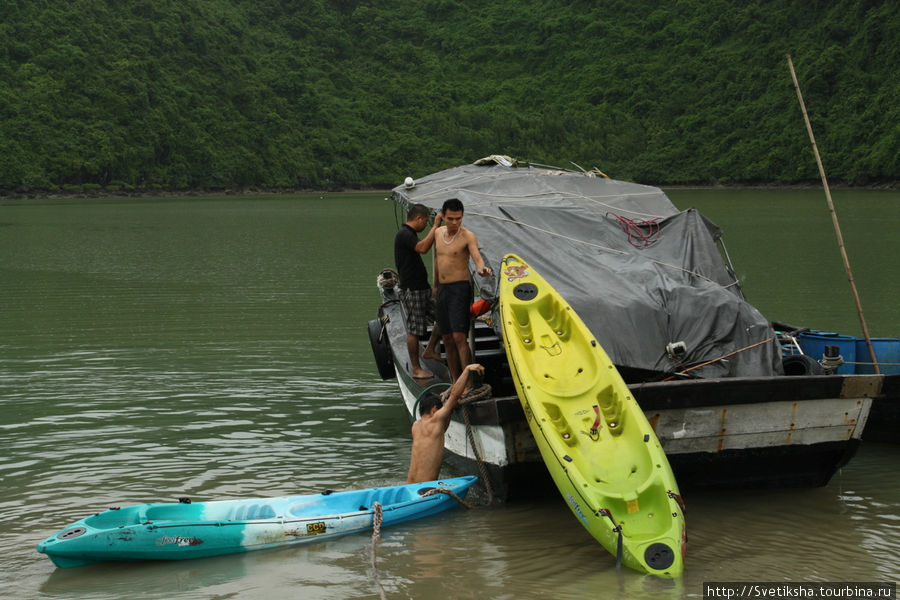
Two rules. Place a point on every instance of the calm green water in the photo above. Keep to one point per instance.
(216, 347)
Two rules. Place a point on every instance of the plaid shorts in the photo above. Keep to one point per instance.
(419, 306)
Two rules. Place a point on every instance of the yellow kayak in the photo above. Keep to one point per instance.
(601, 452)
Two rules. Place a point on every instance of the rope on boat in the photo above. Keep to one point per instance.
(377, 520)
(634, 229)
(448, 492)
(473, 395)
(709, 362)
(870, 363)
(617, 528)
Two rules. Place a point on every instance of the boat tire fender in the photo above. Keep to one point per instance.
(381, 349)
(801, 364)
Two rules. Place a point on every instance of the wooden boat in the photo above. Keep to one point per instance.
(172, 531)
(826, 351)
(723, 407)
(599, 448)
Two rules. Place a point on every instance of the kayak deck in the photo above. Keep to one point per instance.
(173, 531)
(596, 442)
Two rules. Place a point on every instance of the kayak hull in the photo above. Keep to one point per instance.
(175, 531)
(599, 448)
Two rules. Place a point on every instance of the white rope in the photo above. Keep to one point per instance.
(573, 196)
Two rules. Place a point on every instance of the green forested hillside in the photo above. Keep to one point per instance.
(182, 94)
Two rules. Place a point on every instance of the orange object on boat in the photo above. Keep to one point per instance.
(479, 307)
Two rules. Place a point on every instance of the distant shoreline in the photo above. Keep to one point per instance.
(252, 191)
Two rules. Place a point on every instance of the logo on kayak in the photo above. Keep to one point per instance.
(514, 272)
(178, 540)
(576, 508)
(315, 528)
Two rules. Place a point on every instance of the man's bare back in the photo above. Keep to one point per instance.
(428, 432)
(427, 450)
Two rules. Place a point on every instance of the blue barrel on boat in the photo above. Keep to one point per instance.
(887, 350)
(814, 342)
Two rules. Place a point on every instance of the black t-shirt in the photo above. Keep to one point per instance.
(413, 275)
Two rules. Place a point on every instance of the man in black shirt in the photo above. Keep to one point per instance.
(415, 292)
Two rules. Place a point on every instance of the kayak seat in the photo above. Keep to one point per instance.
(620, 475)
(556, 315)
(172, 512)
(611, 408)
(563, 364)
(560, 423)
(252, 512)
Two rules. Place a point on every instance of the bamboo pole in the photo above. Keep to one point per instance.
(834, 220)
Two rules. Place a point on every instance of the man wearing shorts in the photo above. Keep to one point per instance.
(415, 293)
(454, 245)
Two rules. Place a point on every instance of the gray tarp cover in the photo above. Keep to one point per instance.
(636, 300)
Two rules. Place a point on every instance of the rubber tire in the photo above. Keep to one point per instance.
(382, 350)
(801, 364)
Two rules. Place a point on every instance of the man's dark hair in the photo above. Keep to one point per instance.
(429, 402)
(417, 210)
(452, 204)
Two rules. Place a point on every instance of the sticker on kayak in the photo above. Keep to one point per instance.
(315, 528)
(514, 272)
(576, 508)
(178, 540)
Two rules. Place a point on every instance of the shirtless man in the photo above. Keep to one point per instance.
(428, 432)
(453, 246)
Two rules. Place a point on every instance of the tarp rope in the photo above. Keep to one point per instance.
(600, 247)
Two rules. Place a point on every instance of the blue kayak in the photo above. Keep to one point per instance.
(171, 531)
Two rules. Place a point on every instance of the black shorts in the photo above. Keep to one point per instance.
(452, 306)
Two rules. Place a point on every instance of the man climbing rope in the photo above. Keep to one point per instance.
(428, 432)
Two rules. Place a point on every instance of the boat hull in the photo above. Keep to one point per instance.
(717, 432)
(176, 531)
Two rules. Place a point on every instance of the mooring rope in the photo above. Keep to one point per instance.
(448, 492)
(377, 520)
(477, 394)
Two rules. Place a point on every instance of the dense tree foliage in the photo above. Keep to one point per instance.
(186, 94)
